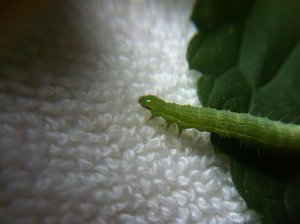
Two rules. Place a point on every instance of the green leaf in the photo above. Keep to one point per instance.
(249, 54)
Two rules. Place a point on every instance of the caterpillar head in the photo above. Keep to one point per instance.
(150, 102)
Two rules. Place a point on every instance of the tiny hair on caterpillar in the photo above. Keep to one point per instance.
(241, 126)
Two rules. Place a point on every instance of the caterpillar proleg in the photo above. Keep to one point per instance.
(242, 126)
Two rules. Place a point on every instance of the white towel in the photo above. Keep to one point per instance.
(76, 146)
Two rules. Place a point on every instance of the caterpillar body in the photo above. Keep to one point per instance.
(242, 126)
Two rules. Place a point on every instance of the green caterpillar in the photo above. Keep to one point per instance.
(242, 126)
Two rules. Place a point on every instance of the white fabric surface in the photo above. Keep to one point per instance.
(75, 145)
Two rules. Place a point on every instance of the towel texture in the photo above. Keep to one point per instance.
(76, 147)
